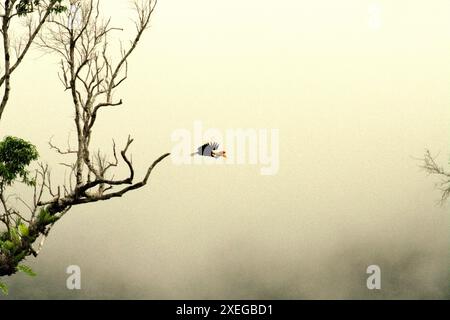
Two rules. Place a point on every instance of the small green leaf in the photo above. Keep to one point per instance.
(26, 269)
(45, 217)
(8, 244)
(14, 235)
(23, 230)
(4, 288)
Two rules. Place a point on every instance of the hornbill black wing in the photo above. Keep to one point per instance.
(205, 150)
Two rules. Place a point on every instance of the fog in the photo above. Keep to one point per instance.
(355, 105)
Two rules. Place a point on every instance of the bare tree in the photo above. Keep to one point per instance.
(16, 44)
(88, 72)
(430, 165)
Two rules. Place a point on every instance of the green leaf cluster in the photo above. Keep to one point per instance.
(21, 268)
(46, 217)
(23, 229)
(4, 288)
(26, 269)
(10, 241)
(28, 6)
(15, 155)
(6, 246)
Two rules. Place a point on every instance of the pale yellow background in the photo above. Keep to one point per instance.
(354, 107)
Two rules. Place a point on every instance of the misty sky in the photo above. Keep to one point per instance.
(357, 89)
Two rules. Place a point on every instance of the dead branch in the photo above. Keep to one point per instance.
(430, 166)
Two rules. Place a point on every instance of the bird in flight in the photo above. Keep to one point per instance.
(210, 150)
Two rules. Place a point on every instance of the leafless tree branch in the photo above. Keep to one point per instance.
(430, 166)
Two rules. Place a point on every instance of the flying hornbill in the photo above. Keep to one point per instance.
(210, 150)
